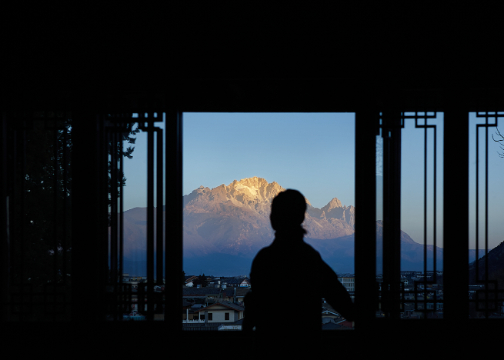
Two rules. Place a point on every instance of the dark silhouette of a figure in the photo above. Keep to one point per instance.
(288, 281)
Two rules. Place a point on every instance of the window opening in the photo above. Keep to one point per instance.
(234, 164)
(425, 295)
(137, 294)
(409, 257)
(50, 300)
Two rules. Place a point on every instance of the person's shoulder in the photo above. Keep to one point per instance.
(313, 256)
(263, 253)
(310, 249)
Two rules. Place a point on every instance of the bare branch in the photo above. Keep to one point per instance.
(499, 141)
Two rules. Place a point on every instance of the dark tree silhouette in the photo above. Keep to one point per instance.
(41, 198)
(201, 280)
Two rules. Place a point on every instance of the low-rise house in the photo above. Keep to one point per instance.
(228, 294)
(348, 281)
(239, 294)
(234, 282)
(238, 282)
(221, 312)
(245, 283)
(211, 292)
(329, 315)
(189, 279)
(203, 295)
(190, 312)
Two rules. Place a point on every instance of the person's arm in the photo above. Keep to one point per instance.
(248, 314)
(336, 294)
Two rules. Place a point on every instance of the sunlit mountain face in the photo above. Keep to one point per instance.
(226, 226)
(234, 219)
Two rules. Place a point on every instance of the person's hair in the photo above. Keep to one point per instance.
(288, 211)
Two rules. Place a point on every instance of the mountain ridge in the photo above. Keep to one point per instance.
(235, 218)
(232, 222)
(224, 228)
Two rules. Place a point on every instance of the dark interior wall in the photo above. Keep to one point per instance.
(152, 340)
(75, 52)
(283, 58)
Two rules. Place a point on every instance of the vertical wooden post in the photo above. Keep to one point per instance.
(89, 244)
(456, 199)
(391, 214)
(173, 216)
(366, 125)
(4, 223)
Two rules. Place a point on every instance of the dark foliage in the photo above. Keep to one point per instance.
(41, 198)
(201, 280)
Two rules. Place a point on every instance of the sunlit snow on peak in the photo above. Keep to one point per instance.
(251, 189)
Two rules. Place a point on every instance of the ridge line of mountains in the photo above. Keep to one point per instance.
(226, 226)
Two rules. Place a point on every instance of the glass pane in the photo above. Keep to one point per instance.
(421, 257)
(486, 194)
(135, 278)
(422, 216)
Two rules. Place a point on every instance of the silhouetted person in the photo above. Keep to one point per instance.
(288, 281)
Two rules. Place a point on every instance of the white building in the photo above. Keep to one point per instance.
(348, 282)
(221, 312)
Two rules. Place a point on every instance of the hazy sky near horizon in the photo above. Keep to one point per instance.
(313, 153)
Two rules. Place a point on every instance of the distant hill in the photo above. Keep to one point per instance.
(495, 258)
(226, 226)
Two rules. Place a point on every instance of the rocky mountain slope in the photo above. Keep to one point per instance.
(234, 219)
(226, 226)
(495, 258)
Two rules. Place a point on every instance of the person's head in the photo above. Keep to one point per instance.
(288, 211)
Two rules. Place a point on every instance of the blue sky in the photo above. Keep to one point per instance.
(495, 185)
(315, 157)
(412, 180)
(313, 153)
(310, 152)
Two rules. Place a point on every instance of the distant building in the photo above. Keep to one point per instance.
(221, 312)
(238, 282)
(239, 294)
(190, 279)
(348, 281)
